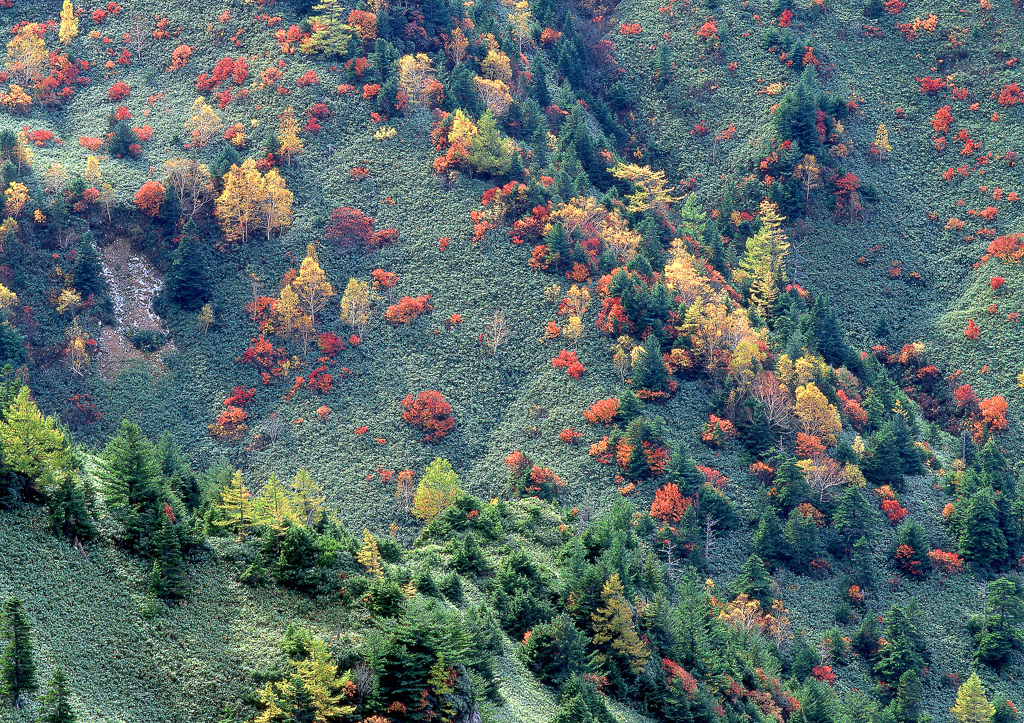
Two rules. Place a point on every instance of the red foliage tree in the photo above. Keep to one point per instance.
(348, 227)
(118, 91)
(1010, 95)
(972, 331)
(408, 309)
(947, 563)
(941, 120)
(993, 411)
(569, 360)
(430, 413)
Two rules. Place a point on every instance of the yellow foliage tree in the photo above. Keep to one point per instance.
(436, 491)
(369, 555)
(17, 197)
(355, 305)
(494, 94)
(309, 497)
(77, 350)
(312, 285)
(613, 624)
(817, 417)
(277, 209)
(809, 176)
(288, 135)
(192, 184)
(274, 507)
(236, 504)
(68, 23)
(882, 140)
(204, 124)
(416, 76)
(971, 704)
(27, 56)
(651, 191)
(8, 228)
(240, 206)
(92, 170)
(15, 99)
(7, 297)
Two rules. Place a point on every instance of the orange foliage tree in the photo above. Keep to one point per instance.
(430, 413)
(669, 505)
(150, 197)
(408, 309)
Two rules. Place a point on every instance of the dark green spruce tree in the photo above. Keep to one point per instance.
(17, 666)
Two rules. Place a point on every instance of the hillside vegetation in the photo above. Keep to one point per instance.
(539, 361)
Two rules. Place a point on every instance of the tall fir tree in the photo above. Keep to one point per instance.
(17, 664)
(57, 701)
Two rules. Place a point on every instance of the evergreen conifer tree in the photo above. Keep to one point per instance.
(489, 151)
(649, 372)
(755, 582)
(802, 536)
(768, 543)
(17, 664)
(982, 542)
(186, 282)
(57, 701)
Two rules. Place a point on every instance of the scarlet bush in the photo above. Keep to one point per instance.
(972, 331)
(118, 91)
(603, 411)
(348, 226)
(572, 364)
(408, 309)
(430, 413)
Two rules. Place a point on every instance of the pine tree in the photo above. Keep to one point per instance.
(982, 542)
(755, 582)
(167, 579)
(89, 280)
(613, 626)
(682, 470)
(133, 484)
(906, 708)
(768, 542)
(69, 509)
(17, 667)
(971, 704)
(57, 701)
(186, 282)
(236, 505)
(998, 631)
(904, 649)
(489, 152)
(649, 372)
(802, 536)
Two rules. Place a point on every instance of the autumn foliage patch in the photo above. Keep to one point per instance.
(430, 413)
